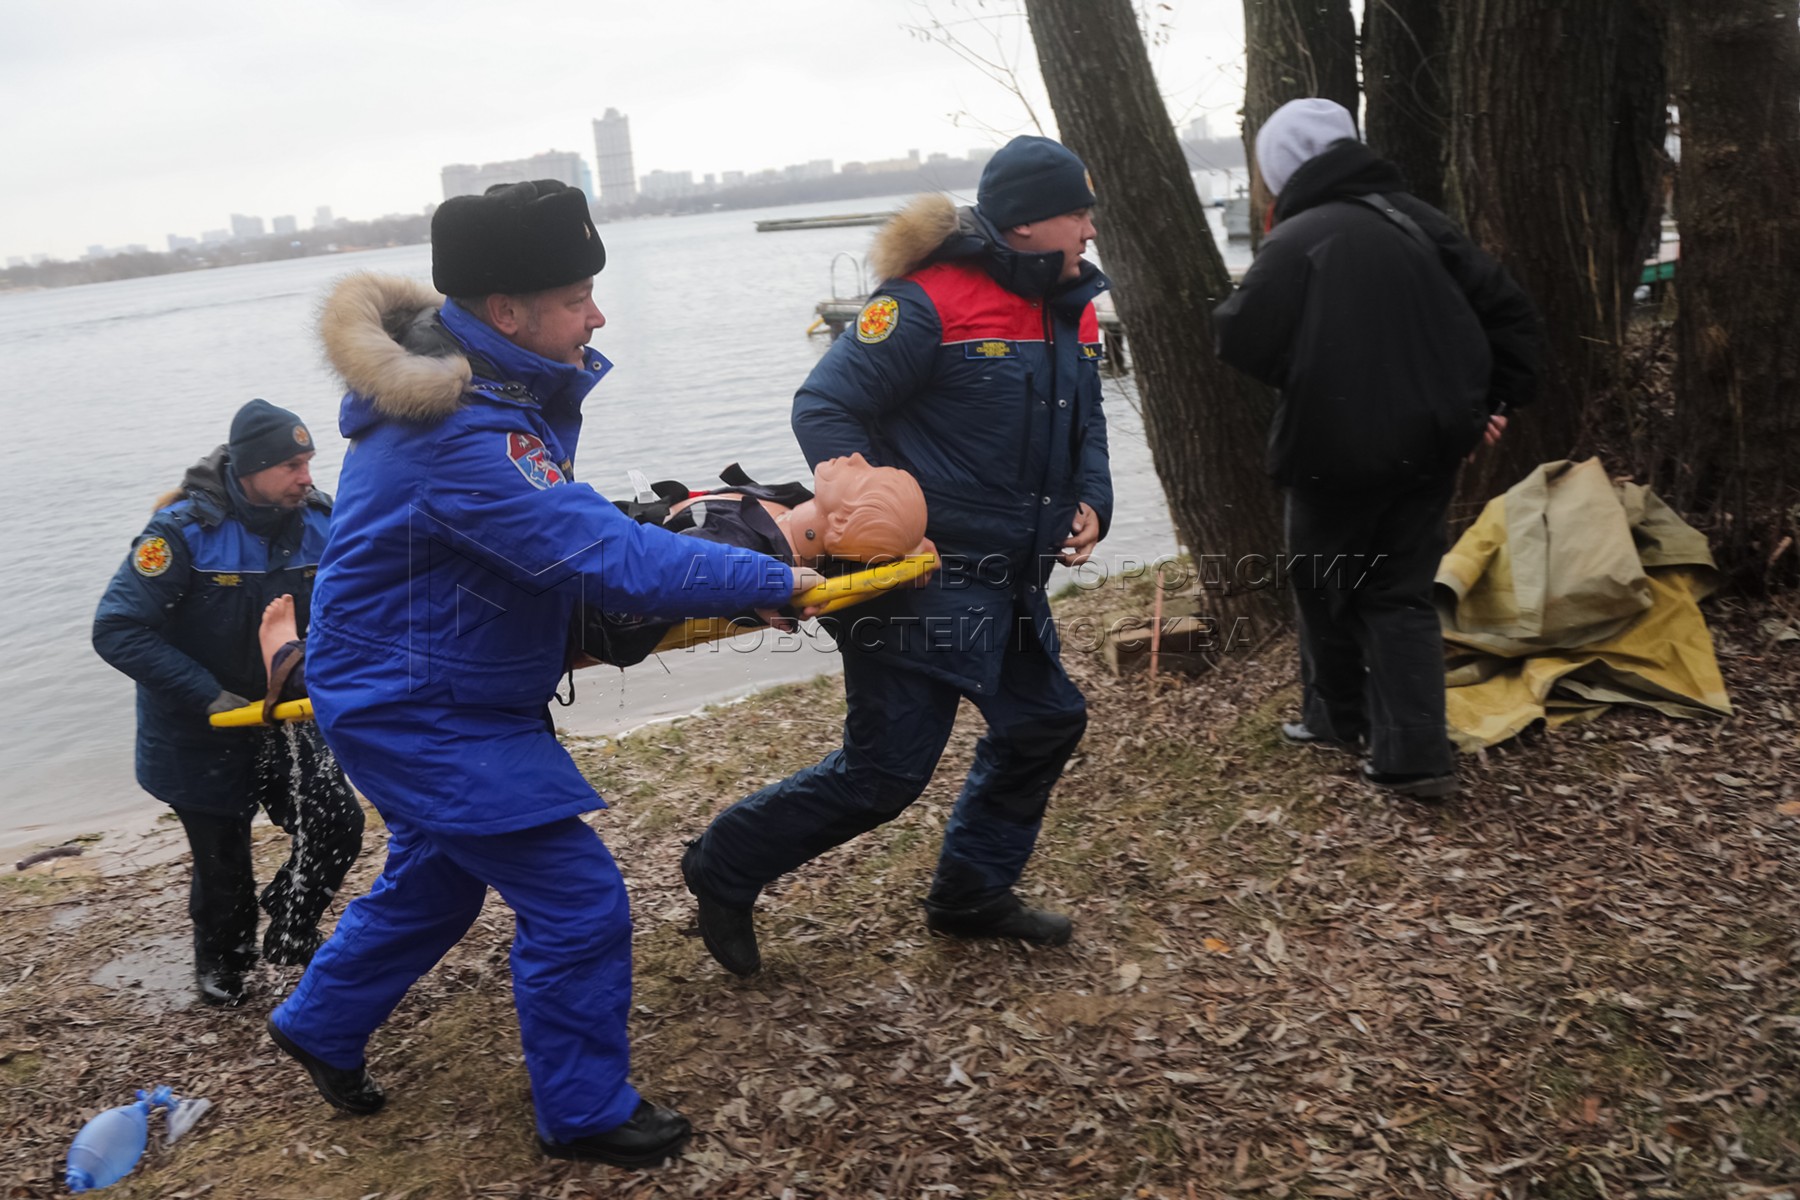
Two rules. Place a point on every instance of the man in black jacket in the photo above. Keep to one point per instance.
(1398, 347)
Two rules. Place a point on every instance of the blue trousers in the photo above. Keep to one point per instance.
(571, 959)
(898, 723)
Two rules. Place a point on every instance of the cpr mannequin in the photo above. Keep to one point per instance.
(858, 514)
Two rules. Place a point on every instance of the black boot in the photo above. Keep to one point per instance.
(1006, 916)
(653, 1134)
(221, 987)
(351, 1090)
(1427, 787)
(729, 933)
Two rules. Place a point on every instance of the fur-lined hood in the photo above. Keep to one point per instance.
(914, 236)
(382, 337)
(204, 482)
(931, 230)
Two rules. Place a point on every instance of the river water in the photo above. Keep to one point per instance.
(116, 388)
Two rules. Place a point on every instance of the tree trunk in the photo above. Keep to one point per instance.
(1292, 49)
(1737, 329)
(1205, 422)
(1558, 112)
(1404, 85)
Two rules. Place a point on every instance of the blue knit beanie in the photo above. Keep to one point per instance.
(1030, 179)
(263, 436)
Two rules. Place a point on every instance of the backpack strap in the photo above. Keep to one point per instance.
(1381, 204)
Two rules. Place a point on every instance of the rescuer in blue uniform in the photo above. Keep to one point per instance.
(975, 369)
(181, 618)
(460, 550)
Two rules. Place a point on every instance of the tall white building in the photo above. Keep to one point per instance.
(612, 154)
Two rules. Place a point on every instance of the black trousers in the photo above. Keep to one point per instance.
(299, 784)
(1371, 649)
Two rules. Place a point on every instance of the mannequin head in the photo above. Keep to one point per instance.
(868, 513)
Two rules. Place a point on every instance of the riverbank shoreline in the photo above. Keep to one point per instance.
(121, 831)
(1575, 979)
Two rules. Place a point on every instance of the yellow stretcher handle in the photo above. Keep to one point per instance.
(838, 592)
(835, 593)
(251, 714)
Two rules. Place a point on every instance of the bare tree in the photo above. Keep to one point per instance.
(1206, 424)
(981, 40)
(1405, 90)
(1293, 49)
(1737, 331)
(1558, 111)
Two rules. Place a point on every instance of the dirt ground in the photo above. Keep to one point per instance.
(1577, 980)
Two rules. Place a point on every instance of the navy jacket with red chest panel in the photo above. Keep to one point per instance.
(976, 371)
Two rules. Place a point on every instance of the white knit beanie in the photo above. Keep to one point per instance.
(1296, 133)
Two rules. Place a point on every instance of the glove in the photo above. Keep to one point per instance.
(225, 702)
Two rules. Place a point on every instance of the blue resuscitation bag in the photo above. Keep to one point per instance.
(109, 1146)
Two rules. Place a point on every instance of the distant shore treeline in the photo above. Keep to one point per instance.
(955, 175)
(343, 237)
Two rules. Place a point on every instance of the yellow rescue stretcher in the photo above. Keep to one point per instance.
(841, 591)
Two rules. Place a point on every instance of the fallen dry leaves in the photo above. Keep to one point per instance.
(1575, 981)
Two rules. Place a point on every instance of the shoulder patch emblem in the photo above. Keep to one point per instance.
(151, 558)
(877, 319)
(529, 454)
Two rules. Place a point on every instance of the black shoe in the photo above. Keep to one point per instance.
(220, 987)
(653, 1134)
(1296, 733)
(1005, 917)
(286, 946)
(729, 933)
(351, 1090)
(1426, 787)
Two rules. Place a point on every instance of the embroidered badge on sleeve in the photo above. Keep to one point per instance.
(877, 319)
(151, 557)
(529, 454)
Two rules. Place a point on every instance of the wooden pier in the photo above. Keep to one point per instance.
(837, 221)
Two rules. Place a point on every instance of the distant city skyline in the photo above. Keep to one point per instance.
(572, 169)
(552, 164)
(169, 118)
(614, 156)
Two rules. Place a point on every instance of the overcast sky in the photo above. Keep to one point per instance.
(128, 122)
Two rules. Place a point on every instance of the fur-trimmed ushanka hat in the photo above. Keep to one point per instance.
(515, 238)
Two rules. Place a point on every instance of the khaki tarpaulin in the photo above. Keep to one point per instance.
(1568, 594)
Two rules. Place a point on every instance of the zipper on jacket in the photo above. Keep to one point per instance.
(1025, 431)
